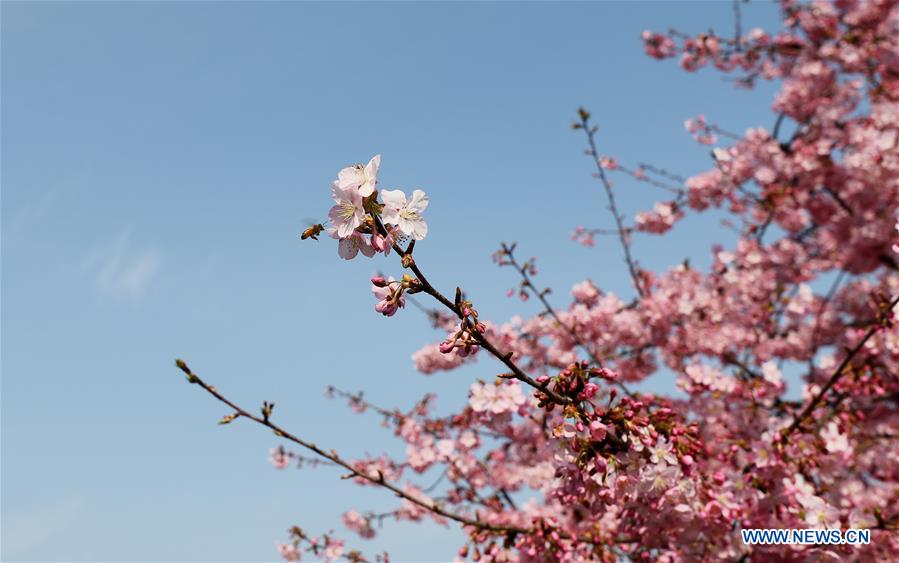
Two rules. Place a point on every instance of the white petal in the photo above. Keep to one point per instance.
(340, 193)
(371, 169)
(349, 177)
(419, 201)
(390, 215)
(393, 198)
(406, 226)
(346, 229)
(420, 230)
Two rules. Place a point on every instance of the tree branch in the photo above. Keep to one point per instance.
(334, 458)
(837, 374)
(590, 131)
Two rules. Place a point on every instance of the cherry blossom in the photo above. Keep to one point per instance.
(361, 178)
(660, 219)
(347, 214)
(350, 246)
(289, 552)
(358, 523)
(497, 399)
(279, 458)
(406, 214)
(782, 341)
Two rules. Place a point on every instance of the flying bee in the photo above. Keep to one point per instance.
(312, 232)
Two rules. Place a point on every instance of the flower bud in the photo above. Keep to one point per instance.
(386, 307)
(608, 374)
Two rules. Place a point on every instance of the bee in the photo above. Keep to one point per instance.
(312, 232)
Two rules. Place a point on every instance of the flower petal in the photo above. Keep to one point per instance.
(419, 230)
(350, 177)
(347, 249)
(390, 215)
(371, 169)
(419, 201)
(395, 199)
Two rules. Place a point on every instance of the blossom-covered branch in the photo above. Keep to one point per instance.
(783, 343)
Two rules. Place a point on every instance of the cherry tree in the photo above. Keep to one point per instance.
(811, 287)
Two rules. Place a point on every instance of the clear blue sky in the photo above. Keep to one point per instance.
(158, 163)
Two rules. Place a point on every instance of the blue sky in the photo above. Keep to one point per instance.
(158, 163)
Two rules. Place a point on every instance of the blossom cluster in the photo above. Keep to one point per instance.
(784, 350)
(363, 224)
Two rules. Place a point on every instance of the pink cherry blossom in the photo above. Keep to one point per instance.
(333, 549)
(279, 458)
(359, 524)
(406, 215)
(661, 453)
(497, 399)
(347, 215)
(780, 333)
(350, 246)
(362, 179)
(289, 552)
(834, 440)
(660, 219)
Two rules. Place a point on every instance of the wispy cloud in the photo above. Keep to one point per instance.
(127, 273)
(23, 532)
(27, 215)
(37, 205)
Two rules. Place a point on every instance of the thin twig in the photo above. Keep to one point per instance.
(508, 252)
(482, 340)
(333, 457)
(590, 131)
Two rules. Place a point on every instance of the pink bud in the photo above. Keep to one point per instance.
(608, 374)
(386, 308)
